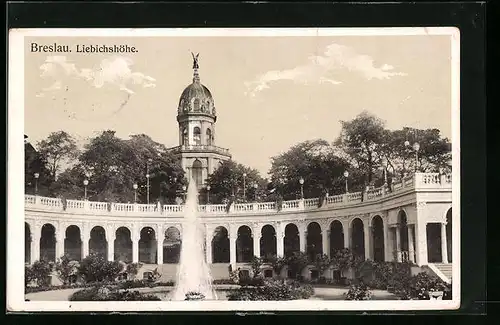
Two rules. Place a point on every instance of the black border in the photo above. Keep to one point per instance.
(469, 17)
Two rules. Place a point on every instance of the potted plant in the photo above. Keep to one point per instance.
(193, 295)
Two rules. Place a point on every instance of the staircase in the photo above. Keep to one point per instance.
(445, 269)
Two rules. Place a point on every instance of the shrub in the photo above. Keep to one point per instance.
(133, 268)
(358, 291)
(256, 264)
(106, 293)
(423, 283)
(192, 295)
(273, 290)
(223, 281)
(66, 269)
(94, 268)
(322, 262)
(297, 263)
(277, 263)
(342, 260)
(39, 272)
(255, 282)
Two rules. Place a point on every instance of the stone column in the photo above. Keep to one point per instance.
(444, 244)
(367, 232)
(411, 244)
(387, 245)
(111, 246)
(60, 235)
(421, 243)
(256, 240)
(347, 235)
(398, 244)
(159, 246)
(232, 251)
(302, 241)
(208, 245)
(35, 245)
(135, 247)
(280, 246)
(325, 238)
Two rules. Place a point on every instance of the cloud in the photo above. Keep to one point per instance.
(322, 68)
(115, 71)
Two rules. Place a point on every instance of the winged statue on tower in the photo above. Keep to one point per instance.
(195, 60)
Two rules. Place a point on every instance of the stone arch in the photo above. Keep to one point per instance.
(172, 245)
(220, 245)
(268, 242)
(336, 236)
(97, 242)
(147, 246)
(197, 172)
(73, 243)
(48, 243)
(244, 245)
(292, 240)
(123, 244)
(208, 138)
(27, 243)
(378, 244)
(449, 234)
(314, 240)
(358, 238)
(197, 135)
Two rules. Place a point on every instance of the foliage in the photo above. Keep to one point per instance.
(343, 259)
(222, 281)
(66, 268)
(193, 295)
(255, 282)
(154, 276)
(234, 276)
(358, 291)
(277, 263)
(133, 268)
(58, 148)
(95, 268)
(34, 162)
(297, 263)
(39, 272)
(314, 161)
(421, 284)
(256, 264)
(274, 290)
(106, 293)
(227, 182)
(322, 263)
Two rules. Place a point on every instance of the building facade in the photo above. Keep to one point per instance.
(196, 117)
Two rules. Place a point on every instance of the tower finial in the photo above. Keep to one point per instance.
(196, 76)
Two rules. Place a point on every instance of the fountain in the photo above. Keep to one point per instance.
(193, 276)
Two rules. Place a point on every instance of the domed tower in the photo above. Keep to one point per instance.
(196, 116)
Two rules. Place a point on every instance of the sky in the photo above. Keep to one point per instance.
(270, 93)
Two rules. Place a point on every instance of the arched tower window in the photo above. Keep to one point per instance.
(209, 137)
(185, 140)
(197, 170)
(196, 105)
(197, 136)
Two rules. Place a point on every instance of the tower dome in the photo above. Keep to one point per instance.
(196, 98)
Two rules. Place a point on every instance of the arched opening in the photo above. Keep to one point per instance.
(244, 245)
(336, 237)
(220, 245)
(185, 137)
(197, 172)
(48, 243)
(403, 235)
(73, 243)
(291, 240)
(378, 239)
(147, 246)
(196, 105)
(97, 242)
(197, 136)
(268, 246)
(123, 245)
(209, 137)
(27, 243)
(314, 241)
(449, 235)
(358, 238)
(172, 246)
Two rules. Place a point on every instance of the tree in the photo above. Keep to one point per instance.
(361, 139)
(34, 163)
(316, 162)
(343, 260)
(256, 264)
(59, 147)
(95, 268)
(322, 262)
(277, 263)
(40, 272)
(66, 268)
(226, 182)
(297, 263)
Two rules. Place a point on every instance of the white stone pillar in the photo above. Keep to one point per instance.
(256, 240)
(325, 238)
(411, 244)
(398, 244)
(35, 245)
(444, 244)
(111, 246)
(280, 246)
(387, 244)
(303, 240)
(367, 232)
(208, 245)
(59, 243)
(135, 248)
(347, 235)
(232, 251)
(421, 243)
(159, 246)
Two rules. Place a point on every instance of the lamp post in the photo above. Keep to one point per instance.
(301, 182)
(208, 194)
(184, 191)
(135, 192)
(346, 175)
(37, 175)
(244, 187)
(147, 178)
(255, 186)
(416, 147)
(85, 183)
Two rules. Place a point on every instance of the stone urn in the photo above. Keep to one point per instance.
(194, 296)
(436, 295)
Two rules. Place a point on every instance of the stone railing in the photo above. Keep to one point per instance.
(419, 181)
(197, 148)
